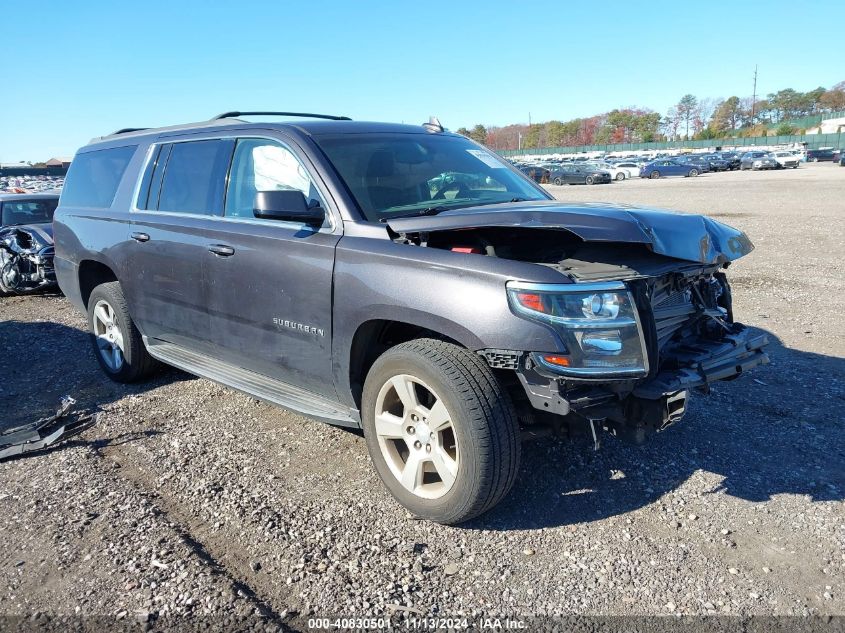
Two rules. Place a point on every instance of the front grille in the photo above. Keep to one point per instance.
(672, 307)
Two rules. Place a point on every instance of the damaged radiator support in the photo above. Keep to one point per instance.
(46, 431)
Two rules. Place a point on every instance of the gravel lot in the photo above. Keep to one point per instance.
(190, 500)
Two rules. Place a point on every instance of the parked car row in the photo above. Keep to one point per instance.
(585, 168)
(30, 184)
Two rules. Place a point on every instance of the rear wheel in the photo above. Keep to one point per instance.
(116, 341)
(558, 182)
(655, 174)
(620, 175)
(589, 180)
(441, 431)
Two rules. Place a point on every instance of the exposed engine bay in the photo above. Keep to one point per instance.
(686, 317)
(26, 260)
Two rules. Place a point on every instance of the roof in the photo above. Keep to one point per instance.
(10, 197)
(314, 127)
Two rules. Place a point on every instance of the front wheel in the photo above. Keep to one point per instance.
(655, 175)
(116, 341)
(440, 429)
(693, 173)
(589, 180)
(620, 176)
(558, 182)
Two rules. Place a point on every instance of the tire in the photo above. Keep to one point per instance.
(814, 160)
(655, 174)
(693, 173)
(588, 180)
(558, 182)
(129, 362)
(620, 176)
(480, 433)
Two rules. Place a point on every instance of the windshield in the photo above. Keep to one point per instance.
(28, 212)
(392, 175)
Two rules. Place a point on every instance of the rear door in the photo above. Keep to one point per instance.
(673, 168)
(270, 294)
(182, 190)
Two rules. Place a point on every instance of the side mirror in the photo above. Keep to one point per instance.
(287, 204)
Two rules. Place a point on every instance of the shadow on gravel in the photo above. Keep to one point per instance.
(42, 361)
(778, 430)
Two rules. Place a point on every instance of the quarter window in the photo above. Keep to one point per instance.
(93, 177)
(264, 165)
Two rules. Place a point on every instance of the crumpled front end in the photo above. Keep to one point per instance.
(26, 259)
(690, 341)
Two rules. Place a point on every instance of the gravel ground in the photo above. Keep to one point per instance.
(188, 500)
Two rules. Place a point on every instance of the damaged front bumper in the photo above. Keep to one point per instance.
(698, 364)
(633, 409)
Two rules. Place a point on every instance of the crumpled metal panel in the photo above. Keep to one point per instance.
(46, 431)
(684, 236)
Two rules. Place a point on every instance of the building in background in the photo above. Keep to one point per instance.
(63, 161)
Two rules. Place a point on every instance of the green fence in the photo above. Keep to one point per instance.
(812, 140)
(808, 121)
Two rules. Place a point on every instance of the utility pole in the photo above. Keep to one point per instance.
(754, 95)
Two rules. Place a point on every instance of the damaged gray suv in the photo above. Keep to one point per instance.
(399, 279)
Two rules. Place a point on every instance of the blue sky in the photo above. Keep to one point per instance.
(82, 69)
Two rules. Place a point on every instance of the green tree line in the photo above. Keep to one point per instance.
(690, 118)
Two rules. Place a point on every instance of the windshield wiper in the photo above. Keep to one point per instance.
(434, 210)
(427, 211)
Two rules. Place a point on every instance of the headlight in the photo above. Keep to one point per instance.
(598, 323)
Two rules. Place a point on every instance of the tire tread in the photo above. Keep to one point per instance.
(138, 364)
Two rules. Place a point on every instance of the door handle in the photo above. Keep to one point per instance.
(140, 237)
(222, 250)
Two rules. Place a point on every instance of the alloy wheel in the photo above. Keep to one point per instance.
(416, 436)
(109, 337)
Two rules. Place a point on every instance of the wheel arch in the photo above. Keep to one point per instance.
(91, 274)
(374, 337)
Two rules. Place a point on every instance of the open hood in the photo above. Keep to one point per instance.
(690, 237)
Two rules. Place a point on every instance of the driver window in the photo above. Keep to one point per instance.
(264, 165)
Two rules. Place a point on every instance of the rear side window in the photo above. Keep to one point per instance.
(194, 177)
(93, 177)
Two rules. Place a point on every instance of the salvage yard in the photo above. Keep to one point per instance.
(187, 498)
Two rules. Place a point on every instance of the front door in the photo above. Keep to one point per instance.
(270, 289)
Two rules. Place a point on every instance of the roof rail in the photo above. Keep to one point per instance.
(126, 130)
(235, 114)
